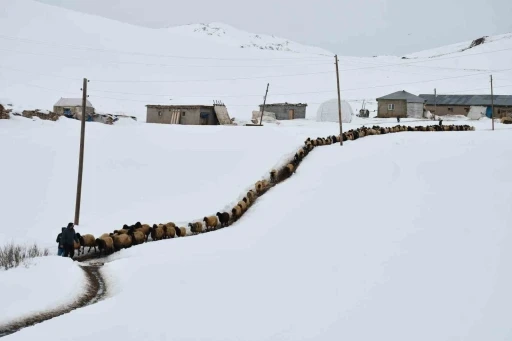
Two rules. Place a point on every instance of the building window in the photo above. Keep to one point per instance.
(159, 113)
(391, 107)
(182, 113)
(466, 109)
(450, 109)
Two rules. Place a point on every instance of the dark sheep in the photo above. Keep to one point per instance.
(223, 218)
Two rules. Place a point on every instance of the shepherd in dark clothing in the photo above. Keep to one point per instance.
(398, 119)
(60, 250)
(440, 122)
(67, 240)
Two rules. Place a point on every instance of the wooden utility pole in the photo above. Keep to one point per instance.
(339, 99)
(435, 103)
(492, 104)
(263, 107)
(81, 158)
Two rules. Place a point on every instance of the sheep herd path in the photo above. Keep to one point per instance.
(96, 290)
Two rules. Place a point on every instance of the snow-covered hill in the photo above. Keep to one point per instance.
(408, 233)
(46, 51)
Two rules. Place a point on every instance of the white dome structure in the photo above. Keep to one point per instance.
(328, 112)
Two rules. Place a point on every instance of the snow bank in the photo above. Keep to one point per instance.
(396, 251)
(47, 283)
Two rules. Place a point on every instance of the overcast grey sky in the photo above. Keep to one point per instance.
(356, 27)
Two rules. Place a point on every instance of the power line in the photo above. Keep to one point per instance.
(161, 65)
(210, 80)
(416, 82)
(38, 73)
(420, 66)
(213, 96)
(428, 60)
(26, 40)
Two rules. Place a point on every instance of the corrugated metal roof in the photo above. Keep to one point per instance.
(71, 102)
(468, 100)
(403, 95)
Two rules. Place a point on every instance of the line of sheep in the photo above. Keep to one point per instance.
(139, 233)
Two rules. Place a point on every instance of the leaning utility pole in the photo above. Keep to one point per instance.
(263, 108)
(81, 158)
(435, 102)
(492, 105)
(339, 99)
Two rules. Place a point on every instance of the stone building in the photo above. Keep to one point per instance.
(72, 108)
(187, 114)
(442, 105)
(400, 104)
(286, 111)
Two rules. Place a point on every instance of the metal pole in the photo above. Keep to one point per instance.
(263, 108)
(339, 100)
(81, 158)
(492, 104)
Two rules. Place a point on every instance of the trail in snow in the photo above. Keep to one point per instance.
(396, 174)
(96, 291)
(96, 283)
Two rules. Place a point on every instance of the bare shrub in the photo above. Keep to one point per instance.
(12, 255)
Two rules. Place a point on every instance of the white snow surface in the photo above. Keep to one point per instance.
(393, 249)
(132, 172)
(44, 284)
(46, 52)
(328, 112)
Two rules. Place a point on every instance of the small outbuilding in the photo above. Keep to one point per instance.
(188, 114)
(400, 104)
(286, 111)
(72, 107)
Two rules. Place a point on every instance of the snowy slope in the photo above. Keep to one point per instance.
(136, 172)
(47, 283)
(46, 51)
(412, 242)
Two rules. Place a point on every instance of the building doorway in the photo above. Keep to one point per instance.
(291, 114)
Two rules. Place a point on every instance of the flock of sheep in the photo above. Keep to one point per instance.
(139, 233)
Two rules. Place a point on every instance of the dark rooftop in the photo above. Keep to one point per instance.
(285, 104)
(403, 95)
(184, 106)
(468, 100)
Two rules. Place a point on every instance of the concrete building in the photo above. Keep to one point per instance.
(286, 111)
(442, 105)
(400, 104)
(188, 114)
(182, 114)
(72, 107)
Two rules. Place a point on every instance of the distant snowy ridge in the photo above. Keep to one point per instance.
(242, 39)
(459, 47)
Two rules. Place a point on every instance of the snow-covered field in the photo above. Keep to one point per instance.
(43, 284)
(130, 66)
(400, 237)
(138, 172)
